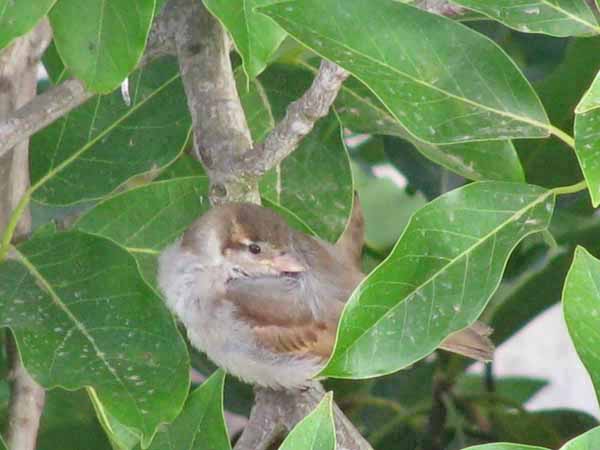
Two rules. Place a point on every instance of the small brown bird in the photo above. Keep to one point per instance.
(263, 300)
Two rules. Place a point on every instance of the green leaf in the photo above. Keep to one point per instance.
(17, 18)
(550, 162)
(386, 208)
(105, 142)
(256, 106)
(83, 316)
(538, 286)
(201, 424)
(69, 421)
(438, 278)
(587, 147)
(554, 17)
(144, 220)
(121, 437)
(587, 441)
(504, 446)
(147, 218)
(102, 44)
(569, 423)
(2, 444)
(315, 181)
(517, 389)
(184, 166)
(316, 431)
(422, 175)
(467, 90)
(54, 66)
(581, 305)
(362, 112)
(255, 36)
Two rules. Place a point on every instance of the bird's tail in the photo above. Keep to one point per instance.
(472, 342)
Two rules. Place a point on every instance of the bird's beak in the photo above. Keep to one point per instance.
(286, 263)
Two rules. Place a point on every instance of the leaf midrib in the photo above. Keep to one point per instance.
(468, 250)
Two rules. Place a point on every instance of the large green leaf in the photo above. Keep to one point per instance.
(554, 17)
(100, 145)
(361, 111)
(438, 278)
(200, 425)
(316, 431)
(587, 441)
(587, 146)
(517, 389)
(315, 181)
(144, 220)
(256, 37)
(581, 305)
(83, 316)
(549, 162)
(69, 421)
(17, 18)
(103, 43)
(468, 89)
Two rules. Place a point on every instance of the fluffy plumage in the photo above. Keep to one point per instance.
(263, 300)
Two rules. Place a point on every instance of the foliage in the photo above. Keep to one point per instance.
(485, 128)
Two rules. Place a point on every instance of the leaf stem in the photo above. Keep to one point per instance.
(565, 137)
(15, 216)
(571, 189)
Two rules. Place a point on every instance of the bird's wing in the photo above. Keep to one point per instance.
(350, 244)
(282, 321)
(472, 342)
(311, 339)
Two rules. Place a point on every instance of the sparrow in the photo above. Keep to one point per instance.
(263, 300)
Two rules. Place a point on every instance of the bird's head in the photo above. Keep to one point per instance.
(250, 240)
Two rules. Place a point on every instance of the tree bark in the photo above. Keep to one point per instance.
(18, 83)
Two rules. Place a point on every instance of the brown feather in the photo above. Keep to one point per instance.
(351, 242)
(472, 342)
(313, 339)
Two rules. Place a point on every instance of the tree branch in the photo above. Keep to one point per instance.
(220, 132)
(275, 413)
(299, 120)
(18, 82)
(61, 99)
(223, 143)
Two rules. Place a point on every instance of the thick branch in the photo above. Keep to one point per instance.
(18, 81)
(221, 134)
(275, 413)
(222, 141)
(60, 100)
(299, 120)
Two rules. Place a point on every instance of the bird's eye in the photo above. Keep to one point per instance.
(254, 248)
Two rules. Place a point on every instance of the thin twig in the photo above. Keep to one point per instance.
(299, 120)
